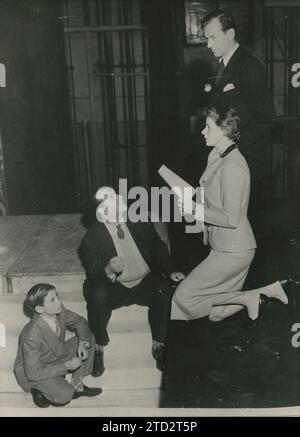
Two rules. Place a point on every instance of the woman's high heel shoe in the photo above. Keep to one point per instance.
(264, 304)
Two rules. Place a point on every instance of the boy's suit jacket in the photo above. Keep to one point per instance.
(226, 183)
(97, 248)
(40, 352)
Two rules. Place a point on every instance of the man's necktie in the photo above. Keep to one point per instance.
(220, 71)
(120, 232)
(57, 328)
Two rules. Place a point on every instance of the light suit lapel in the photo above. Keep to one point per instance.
(62, 320)
(54, 343)
(213, 163)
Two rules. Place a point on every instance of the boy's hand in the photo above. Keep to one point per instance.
(83, 350)
(73, 364)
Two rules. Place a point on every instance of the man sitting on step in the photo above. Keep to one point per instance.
(124, 265)
(44, 357)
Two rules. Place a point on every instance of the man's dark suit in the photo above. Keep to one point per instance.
(252, 99)
(103, 295)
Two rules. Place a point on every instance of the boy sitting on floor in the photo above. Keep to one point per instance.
(44, 357)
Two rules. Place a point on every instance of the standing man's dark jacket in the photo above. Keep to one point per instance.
(243, 86)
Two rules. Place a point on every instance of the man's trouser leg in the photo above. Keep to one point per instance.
(155, 292)
(101, 300)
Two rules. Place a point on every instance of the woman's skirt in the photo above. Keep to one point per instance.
(220, 273)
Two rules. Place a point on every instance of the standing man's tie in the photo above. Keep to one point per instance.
(220, 71)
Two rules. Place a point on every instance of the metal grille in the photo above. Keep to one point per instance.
(107, 59)
(282, 51)
(282, 34)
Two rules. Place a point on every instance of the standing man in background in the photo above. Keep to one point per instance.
(241, 83)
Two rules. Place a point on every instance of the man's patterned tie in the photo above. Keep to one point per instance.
(120, 232)
(57, 328)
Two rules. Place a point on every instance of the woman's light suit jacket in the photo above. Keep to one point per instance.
(226, 183)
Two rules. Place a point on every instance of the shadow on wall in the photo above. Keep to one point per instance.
(197, 72)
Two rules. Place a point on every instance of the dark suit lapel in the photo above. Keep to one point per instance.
(107, 242)
(140, 242)
(230, 69)
(134, 233)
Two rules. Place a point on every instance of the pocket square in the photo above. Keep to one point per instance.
(228, 87)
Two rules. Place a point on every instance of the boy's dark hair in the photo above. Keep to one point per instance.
(225, 18)
(36, 295)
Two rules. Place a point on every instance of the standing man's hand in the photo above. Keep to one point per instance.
(177, 276)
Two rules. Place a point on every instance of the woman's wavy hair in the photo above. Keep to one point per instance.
(226, 118)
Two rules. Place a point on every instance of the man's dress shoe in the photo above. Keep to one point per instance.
(87, 391)
(39, 399)
(98, 366)
(264, 304)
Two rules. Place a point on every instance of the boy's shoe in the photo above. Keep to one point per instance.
(87, 391)
(39, 399)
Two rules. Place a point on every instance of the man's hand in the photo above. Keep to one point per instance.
(73, 364)
(83, 350)
(115, 265)
(177, 276)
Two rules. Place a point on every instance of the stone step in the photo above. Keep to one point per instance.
(126, 351)
(50, 254)
(112, 361)
(16, 233)
(121, 343)
(103, 412)
(128, 361)
(20, 283)
(11, 310)
(118, 379)
(108, 398)
(127, 319)
(107, 413)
